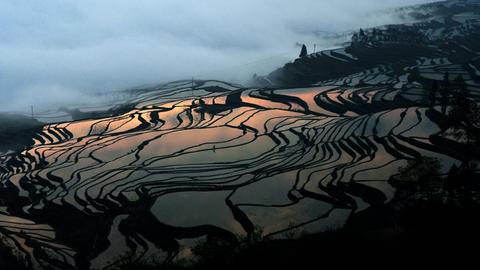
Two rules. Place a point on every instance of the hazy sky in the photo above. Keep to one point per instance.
(55, 49)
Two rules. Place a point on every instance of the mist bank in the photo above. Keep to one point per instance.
(52, 52)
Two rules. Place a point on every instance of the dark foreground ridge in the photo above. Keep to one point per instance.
(412, 228)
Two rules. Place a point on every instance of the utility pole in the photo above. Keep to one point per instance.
(193, 83)
(31, 108)
(314, 48)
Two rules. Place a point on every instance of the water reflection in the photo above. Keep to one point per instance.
(189, 163)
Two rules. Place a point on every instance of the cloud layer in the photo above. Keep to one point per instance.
(69, 46)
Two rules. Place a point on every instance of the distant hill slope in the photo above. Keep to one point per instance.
(446, 37)
(16, 132)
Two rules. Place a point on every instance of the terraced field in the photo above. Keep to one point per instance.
(157, 169)
(208, 158)
(445, 38)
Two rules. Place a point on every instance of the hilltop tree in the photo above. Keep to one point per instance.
(303, 52)
(355, 38)
(421, 172)
(414, 75)
(432, 93)
(464, 116)
(444, 92)
(460, 86)
(460, 99)
(361, 33)
(446, 80)
(359, 36)
(375, 34)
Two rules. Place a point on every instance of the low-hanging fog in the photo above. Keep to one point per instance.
(52, 51)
